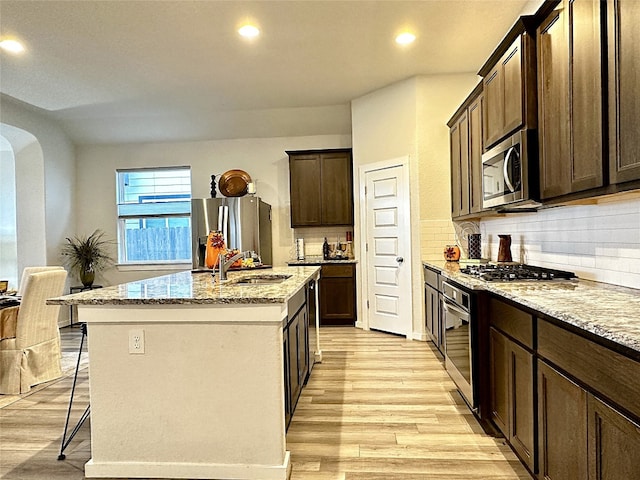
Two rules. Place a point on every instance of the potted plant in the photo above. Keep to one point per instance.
(87, 255)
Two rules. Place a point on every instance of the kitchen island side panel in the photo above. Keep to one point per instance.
(204, 400)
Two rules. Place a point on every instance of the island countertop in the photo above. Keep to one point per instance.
(197, 288)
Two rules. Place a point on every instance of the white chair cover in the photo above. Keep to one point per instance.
(33, 355)
(28, 271)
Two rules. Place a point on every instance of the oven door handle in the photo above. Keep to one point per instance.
(452, 308)
(507, 159)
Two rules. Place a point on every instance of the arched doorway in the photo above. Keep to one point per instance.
(22, 207)
(8, 228)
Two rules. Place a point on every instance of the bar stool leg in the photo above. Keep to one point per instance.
(65, 441)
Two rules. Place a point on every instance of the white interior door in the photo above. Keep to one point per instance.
(388, 250)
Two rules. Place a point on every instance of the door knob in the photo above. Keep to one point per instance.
(399, 260)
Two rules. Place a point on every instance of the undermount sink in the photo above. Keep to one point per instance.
(262, 279)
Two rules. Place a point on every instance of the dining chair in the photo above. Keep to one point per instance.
(32, 354)
(29, 270)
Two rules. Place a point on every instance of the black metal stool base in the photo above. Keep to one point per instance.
(85, 415)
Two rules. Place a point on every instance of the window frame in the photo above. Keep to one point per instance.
(121, 218)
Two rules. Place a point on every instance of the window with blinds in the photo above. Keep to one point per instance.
(154, 215)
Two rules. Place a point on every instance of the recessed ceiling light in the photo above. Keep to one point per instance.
(11, 46)
(405, 38)
(249, 31)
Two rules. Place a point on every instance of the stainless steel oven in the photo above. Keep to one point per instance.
(458, 332)
(506, 173)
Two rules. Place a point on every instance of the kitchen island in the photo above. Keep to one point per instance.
(186, 375)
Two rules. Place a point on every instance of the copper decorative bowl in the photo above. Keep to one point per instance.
(234, 183)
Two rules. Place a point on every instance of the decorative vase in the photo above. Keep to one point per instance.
(504, 249)
(213, 186)
(452, 253)
(475, 245)
(87, 275)
(215, 246)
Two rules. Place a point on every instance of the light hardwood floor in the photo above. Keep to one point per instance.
(378, 407)
(383, 407)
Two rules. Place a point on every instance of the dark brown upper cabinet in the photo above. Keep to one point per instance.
(459, 137)
(624, 85)
(570, 134)
(465, 135)
(476, 109)
(321, 187)
(509, 84)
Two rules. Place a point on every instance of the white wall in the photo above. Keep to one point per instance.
(8, 228)
(264, 159)
(439, 98)
(384, 125)
(598, 242)
(409, 119)
(45, 182)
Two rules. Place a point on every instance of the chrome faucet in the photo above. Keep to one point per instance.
(224, 265)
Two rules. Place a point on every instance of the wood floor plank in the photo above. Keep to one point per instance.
(300, 450)
(370, 385)
(474, 469)
(438, 476)
(379, 407)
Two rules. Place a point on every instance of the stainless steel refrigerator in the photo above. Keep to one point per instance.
(245, 223)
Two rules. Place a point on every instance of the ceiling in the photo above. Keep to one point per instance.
(138, 71)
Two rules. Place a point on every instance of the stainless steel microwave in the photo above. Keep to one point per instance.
(507, 172)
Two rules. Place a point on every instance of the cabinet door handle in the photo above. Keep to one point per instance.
(399, 260)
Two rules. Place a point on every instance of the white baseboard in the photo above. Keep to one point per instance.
(422, 337)
(93, 469)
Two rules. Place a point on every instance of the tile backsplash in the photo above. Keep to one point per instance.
(599, 242)
(434, 236)
(314, 238)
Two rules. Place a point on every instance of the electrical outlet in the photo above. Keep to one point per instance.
(136, 341)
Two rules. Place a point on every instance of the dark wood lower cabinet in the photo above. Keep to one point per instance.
(295, 342)
(512, 401)
(433, 316)
(614, 443)
(580, 436)
(562, 429)
(287, 368)
(338, 294)
(522, 431)
(499, 351)
(567, 403)
(294, 367)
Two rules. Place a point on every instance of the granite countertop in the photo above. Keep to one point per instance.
(319, 260)
(608, 311)
(189, 288)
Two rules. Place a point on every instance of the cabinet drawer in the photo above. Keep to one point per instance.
(611, 374)
(337, 270)
(512, 321)
(431, 277)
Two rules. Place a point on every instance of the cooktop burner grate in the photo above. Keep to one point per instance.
(515, 272)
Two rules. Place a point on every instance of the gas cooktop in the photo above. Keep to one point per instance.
(508, 272)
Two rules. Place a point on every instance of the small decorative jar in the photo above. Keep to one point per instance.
(475, 245)
(452, 253)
